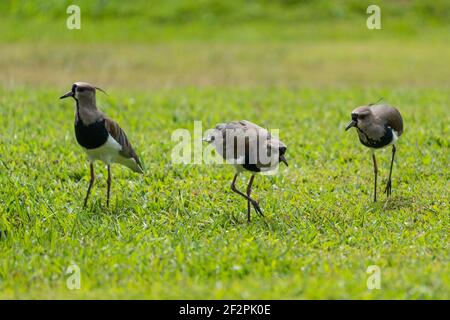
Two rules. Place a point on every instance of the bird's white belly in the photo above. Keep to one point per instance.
(107, 153)
(394, 137)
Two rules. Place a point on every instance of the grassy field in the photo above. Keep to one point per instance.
(179, 232)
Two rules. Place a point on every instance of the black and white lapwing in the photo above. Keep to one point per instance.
(99, 136)
(378, 126)
(248, 147)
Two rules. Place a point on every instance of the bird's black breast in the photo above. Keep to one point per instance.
(377, 143)
(91, 136)
(251, 167)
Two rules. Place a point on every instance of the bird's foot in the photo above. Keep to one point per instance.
(388, 189)
(257, 208)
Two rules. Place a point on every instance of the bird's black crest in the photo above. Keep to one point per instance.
(374, 103)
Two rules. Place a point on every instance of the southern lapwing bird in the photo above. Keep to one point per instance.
(99, 136)
(378, 126)
(248, 147)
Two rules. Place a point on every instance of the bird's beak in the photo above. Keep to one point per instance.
(68, 94)
(351, 124)
(283, 159)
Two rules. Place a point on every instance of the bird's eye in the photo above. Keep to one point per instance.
(361, 116)
(80, 89)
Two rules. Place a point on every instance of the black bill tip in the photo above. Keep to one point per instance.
(66, 95)
(283, 159)
(351, 124)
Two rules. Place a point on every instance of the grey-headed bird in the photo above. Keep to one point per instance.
(99, 136)
(378, 126)
(248, 147)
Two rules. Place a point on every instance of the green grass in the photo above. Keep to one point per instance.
(179, 232)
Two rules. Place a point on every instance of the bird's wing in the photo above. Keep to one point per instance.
(242, 141)
(243, 125)
(119, 135)
(271, 140)
(246, 125)
(392, 117)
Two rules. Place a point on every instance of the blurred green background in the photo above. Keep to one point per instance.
(155, 44)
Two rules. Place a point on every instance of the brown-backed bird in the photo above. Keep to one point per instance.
(378, 126)
(248, 147)
(99, 136)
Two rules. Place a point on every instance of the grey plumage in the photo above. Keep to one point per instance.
(371, 121)
(248, 147)
(244, 143)
(378, 126)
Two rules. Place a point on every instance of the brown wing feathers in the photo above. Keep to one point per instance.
(395, 121)
(119, 135)
(391, 115)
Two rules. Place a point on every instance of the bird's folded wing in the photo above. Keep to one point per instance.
(395, 121)
(241, 141)
(391, 116)
(119, 135)
(243, 125)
